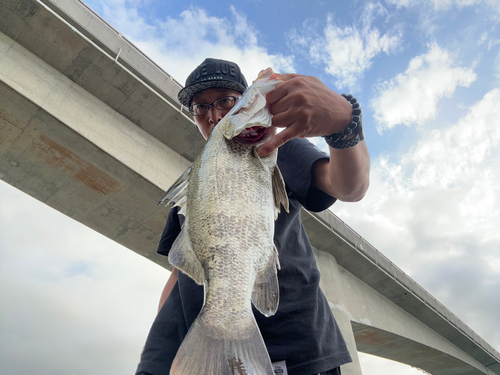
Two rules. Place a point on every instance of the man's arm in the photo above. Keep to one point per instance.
(306, 107)
(168, 287)
(346, 175)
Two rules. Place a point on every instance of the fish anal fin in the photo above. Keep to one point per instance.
(279, 190)
(183, 257)
(202, 352)
(266, 293)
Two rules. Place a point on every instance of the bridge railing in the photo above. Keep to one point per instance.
(118, 48)
(125, 39)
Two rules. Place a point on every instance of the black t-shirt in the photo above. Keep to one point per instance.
(303, 331)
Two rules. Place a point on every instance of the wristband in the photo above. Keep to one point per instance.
(338, 140)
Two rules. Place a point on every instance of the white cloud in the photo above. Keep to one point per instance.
(492, 43)
(180, 43)
(497, 65)
(483, 38)
(445, 4)
(411, 97)
(452, 157)
(435, 212)
(495, 4)
(459, 166)
(401, 3)
(346, 52)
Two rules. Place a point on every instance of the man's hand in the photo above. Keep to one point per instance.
(305, 107)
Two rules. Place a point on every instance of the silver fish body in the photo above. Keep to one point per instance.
(230, 198)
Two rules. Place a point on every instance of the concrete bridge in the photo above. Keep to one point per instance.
(90, 126)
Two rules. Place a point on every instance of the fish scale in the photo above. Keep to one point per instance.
(238, 237)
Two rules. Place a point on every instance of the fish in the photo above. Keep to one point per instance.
(230, 198)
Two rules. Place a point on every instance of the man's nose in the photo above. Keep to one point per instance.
(215, 115)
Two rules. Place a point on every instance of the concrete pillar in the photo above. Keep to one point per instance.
(331, 284)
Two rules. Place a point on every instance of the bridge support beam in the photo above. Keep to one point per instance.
(372, 324)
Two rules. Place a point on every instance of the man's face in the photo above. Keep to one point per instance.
(206, 123)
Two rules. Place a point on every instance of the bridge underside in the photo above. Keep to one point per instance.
(372, 340)
(53, 163)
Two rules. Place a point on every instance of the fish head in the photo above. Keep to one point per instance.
(250, 121)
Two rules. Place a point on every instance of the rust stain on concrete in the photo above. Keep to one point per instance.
(371, 338)
(58, 156)
(4, 119)
(97, 180)
(8, 130)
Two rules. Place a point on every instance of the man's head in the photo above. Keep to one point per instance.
(212, 80)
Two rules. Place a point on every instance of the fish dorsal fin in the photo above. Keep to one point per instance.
(279, 191)
(183, 257)
(266, 293)
(178, 191)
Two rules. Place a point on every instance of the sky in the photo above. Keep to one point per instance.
(427, 75)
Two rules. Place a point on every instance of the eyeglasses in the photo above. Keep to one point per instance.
(227, 102)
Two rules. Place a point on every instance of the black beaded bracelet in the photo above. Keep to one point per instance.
(338, 140)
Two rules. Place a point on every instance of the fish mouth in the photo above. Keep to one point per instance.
(255, 135)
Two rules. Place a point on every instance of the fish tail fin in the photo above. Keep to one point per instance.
(203, 354)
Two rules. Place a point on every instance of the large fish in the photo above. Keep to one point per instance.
(230, 198)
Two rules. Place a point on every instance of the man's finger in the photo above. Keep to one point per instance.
(278, 140)
(282, 119)
(278, 93)
(282, 88)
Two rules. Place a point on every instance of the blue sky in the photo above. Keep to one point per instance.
(427, 75)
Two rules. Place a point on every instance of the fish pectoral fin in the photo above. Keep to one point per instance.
(203, 352)
(183, 257)
(266, 293)
(279, 190)
(177, 191)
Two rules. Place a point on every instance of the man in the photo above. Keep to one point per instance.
(303, 333)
